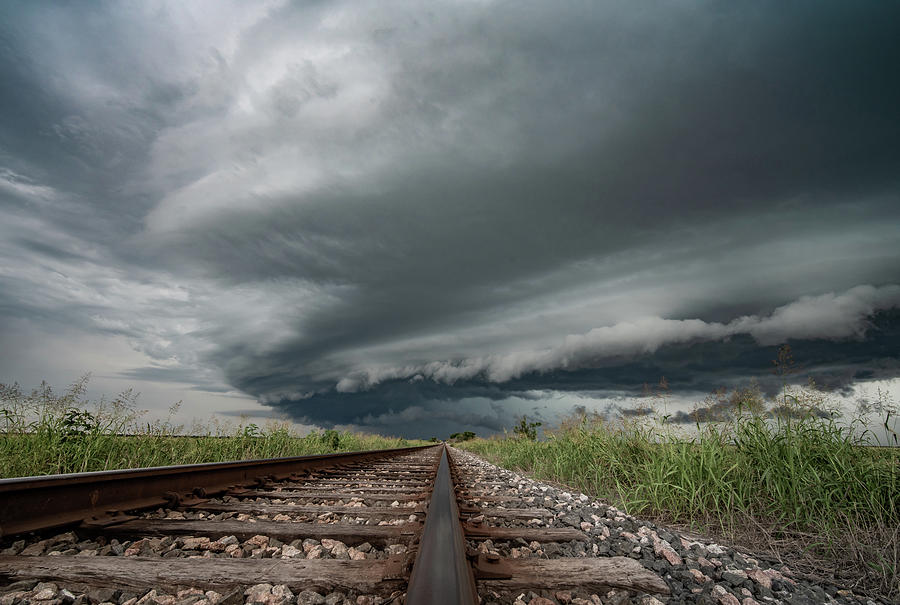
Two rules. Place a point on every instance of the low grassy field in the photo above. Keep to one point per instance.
(794, 485)
(44, 433)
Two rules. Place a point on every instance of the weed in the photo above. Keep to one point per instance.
(45, 433)
(786, 469)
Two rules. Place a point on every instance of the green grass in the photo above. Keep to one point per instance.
(787, 480)
(45, 433)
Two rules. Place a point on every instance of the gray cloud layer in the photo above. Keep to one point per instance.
(304, 202)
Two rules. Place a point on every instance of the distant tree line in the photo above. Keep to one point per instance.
(523, 430)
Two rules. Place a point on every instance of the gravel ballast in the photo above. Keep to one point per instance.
(696, 571)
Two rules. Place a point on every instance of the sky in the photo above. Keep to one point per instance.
(422, 218)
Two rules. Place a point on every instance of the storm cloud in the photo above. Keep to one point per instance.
(410, 218)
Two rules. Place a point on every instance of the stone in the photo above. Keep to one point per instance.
(270, 552)
(311, 597)
(616, 597)
(316, 552)
(14, 548)
(259, 541)
(212, 597)
(308, 544)
(563, 596)
(35, 549)
(356, 555)
(735, 577)
(258, 589)
(228, 540)
(45, 594)
(67, 538)
(10, 598)
(724, 597)
(149, 598)
(282, 591)
(758, 576)
(671, 556)
(776, 575)
(135, 549)
(572, 520)
(699, 576)
(196, 543)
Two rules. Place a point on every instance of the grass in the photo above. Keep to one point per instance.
(46, 433)
(774, 475)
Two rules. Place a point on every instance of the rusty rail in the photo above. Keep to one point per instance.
(36, 503)
(441, 574)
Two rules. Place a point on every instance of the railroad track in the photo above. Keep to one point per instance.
(400, 526)
(430, 525)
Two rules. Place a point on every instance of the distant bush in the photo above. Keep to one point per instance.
(525, 429)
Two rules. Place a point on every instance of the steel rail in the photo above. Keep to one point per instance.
(35, 503)
(441, 574)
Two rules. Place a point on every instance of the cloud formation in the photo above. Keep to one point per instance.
(828, 316)
(310, 203)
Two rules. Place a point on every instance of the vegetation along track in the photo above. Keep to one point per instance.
(414, 525)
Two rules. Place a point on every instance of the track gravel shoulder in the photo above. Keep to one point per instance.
(696, 571)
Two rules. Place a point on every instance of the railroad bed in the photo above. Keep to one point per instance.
(417, 525)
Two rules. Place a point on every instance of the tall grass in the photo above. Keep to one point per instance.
(781, 472)
(43, 433)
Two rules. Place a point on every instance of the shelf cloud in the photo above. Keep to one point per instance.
(828, 316)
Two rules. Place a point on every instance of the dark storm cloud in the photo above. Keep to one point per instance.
(365, 214)
(702, 367)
